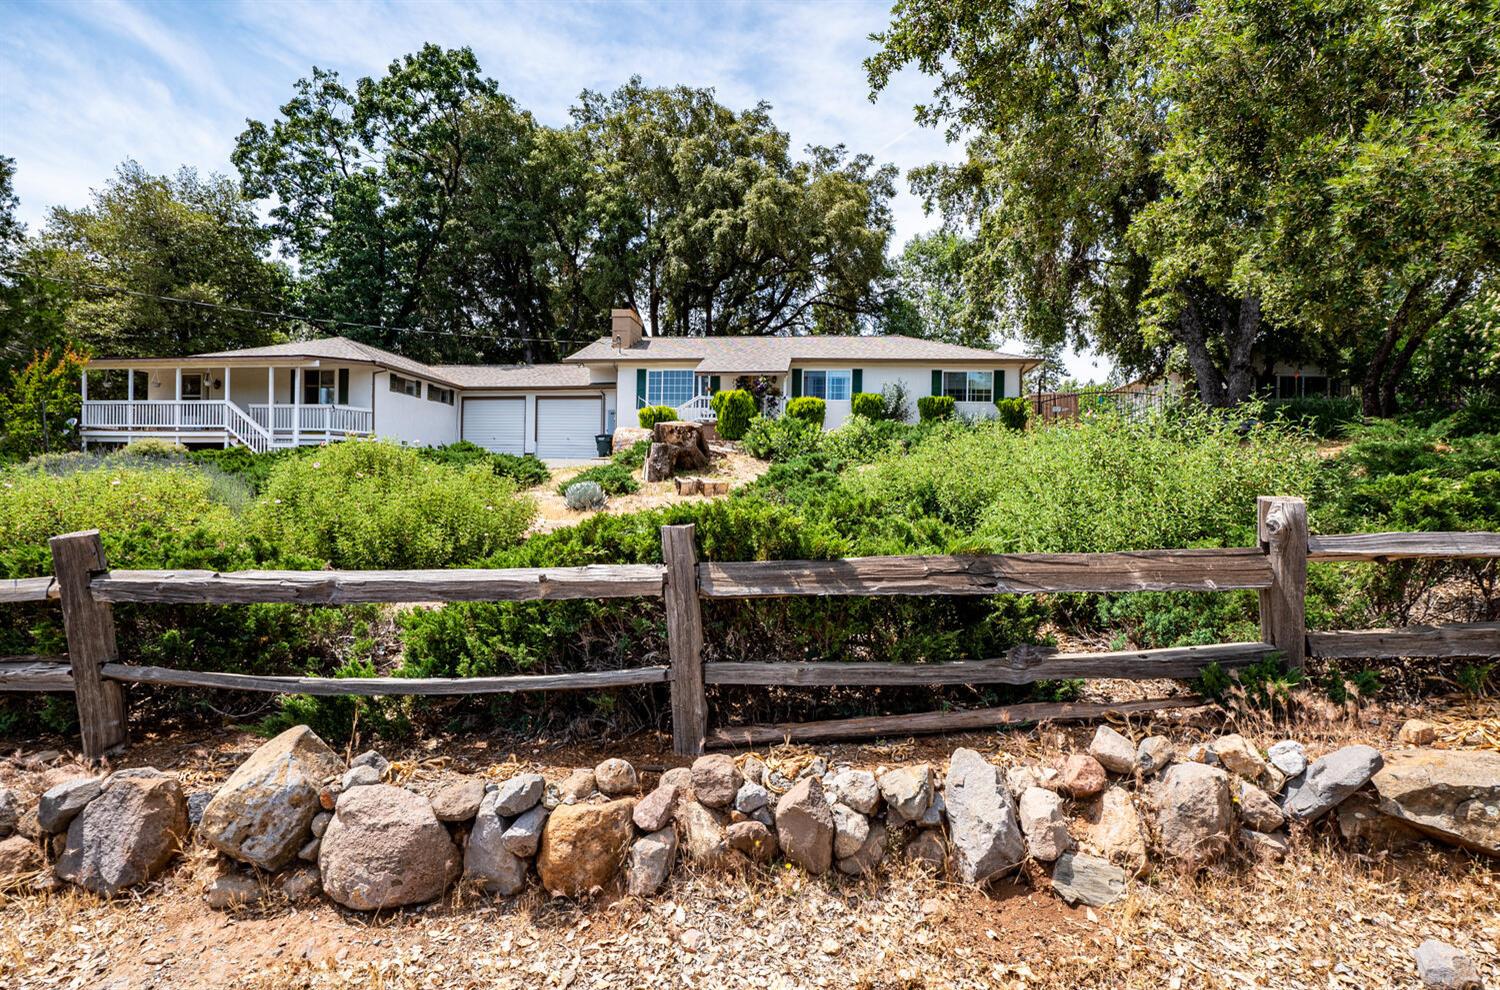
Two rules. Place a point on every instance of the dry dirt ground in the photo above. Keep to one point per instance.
(734, 466)
(1329, 917)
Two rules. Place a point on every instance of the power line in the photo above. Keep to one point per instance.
(273, 314)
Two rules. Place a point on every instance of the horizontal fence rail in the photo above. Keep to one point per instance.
(87, 590)
(1017, 574)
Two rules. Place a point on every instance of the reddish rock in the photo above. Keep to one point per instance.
(1083, 776)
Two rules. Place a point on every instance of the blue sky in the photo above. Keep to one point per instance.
(87, 84)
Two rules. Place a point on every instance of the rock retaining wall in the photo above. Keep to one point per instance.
(1094, 823)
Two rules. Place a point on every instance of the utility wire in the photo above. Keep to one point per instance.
(273, 314)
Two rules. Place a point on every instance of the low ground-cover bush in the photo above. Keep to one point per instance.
(525, 470)
(780, 439)
(618, 476)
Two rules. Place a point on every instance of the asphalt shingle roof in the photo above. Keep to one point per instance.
(775, 354)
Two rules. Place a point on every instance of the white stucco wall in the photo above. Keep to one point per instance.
(415, 420)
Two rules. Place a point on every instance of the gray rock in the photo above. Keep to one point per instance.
(309, 852)
(59, 804)
(385, 848)
(519, 794)
(1017, 779)
(1257, 810)
(753, 838)
(855, 789)
(907, 792)
(487, 861)
(982, 821)
(1113, 751)
(230, 890)
(650, 862)
(301, 883)
(370, 758)
(1288, 756)
(850, 831)
(10, 811)
(765, 816)
(1044, 823)
(360, 776)
(320, 823)
(654, 811)
(750, 798)
(701, 829)
(1265, 845)
(868, 856)
(804, 826)
(1194, 813)
(126, 835)
(458, 801)
(525, 833)
(753, 770)
(1329, 780)
(935, 813)
(1154, 754)
(1451, 795)
(716, 780)
(1079, 878)
(262, 813)
(616, 776)
(928, 850)
(816, 767)
(197, 804)
(1445, 967)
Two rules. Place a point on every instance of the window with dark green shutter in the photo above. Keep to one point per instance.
(859, 380)
(343, 386)
(713, 384)
(999, 383)
(640, 388)
(796, 382)
(937, 383)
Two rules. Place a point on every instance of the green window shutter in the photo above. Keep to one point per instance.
(858, 385)
(640, 388)
(937, 382)
(796, 382)
(999, 383)
(713, 384)
(343, 386)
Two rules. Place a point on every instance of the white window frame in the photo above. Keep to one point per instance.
(827, 379)
(402, 385)
(970, 386)
(658, 395)
(313, 378)
(439, 393)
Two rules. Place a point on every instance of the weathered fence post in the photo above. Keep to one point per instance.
(90, 627)
(685, 640)
(1281, 525)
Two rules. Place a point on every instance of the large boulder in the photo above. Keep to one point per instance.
(488, 859)
(1194, 813)
(854, 789)
(1328, 781)
(805, 827)
(384, 848)
(584, 846)
(126, 835)
(262, 813)
(1451, 795)
(982, 822)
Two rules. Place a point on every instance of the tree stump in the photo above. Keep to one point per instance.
(658, 466)
(688, 486)
(678, 446)
(714, 487)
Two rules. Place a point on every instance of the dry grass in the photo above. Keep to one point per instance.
(1330, 916)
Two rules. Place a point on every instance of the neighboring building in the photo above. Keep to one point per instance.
(316, 391)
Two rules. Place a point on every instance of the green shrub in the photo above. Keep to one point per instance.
(734, 409)
(780, 439)
(618, 476)
(1013, 412)
(581, 496)
(377, 505)
(935, 407)
(809, 409)
(1323, 416)
(870, 405)
(525, 470)
(649, 416)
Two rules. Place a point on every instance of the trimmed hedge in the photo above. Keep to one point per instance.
(870, 405)
(649, 416)
(808, 409)
(1013, 412)
(934, 407)
(734, 408)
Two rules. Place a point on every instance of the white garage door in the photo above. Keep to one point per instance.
(496, 424)
(565, 428)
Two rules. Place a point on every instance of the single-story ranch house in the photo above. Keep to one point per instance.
(315, 391)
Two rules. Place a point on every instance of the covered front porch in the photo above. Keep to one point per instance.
(262, 407)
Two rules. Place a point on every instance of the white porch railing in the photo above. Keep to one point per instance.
(260, 428)
(313, 419)
(697, 410)
(154, 414)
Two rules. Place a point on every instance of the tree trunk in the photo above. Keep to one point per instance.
(1190, 331)
(1246, 329)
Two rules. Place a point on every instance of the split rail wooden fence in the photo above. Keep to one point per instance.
(87, 589)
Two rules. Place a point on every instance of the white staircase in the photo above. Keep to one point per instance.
(246, 431)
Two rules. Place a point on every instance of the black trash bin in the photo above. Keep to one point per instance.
(603, 442)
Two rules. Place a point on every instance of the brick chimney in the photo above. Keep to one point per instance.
(625, 328)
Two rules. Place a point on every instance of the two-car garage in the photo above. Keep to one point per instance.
(558, 428)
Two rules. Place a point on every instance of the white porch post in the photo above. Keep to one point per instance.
(85, 384)
(177, 405)
(129, 398)
(296, 407)
(225, 410)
